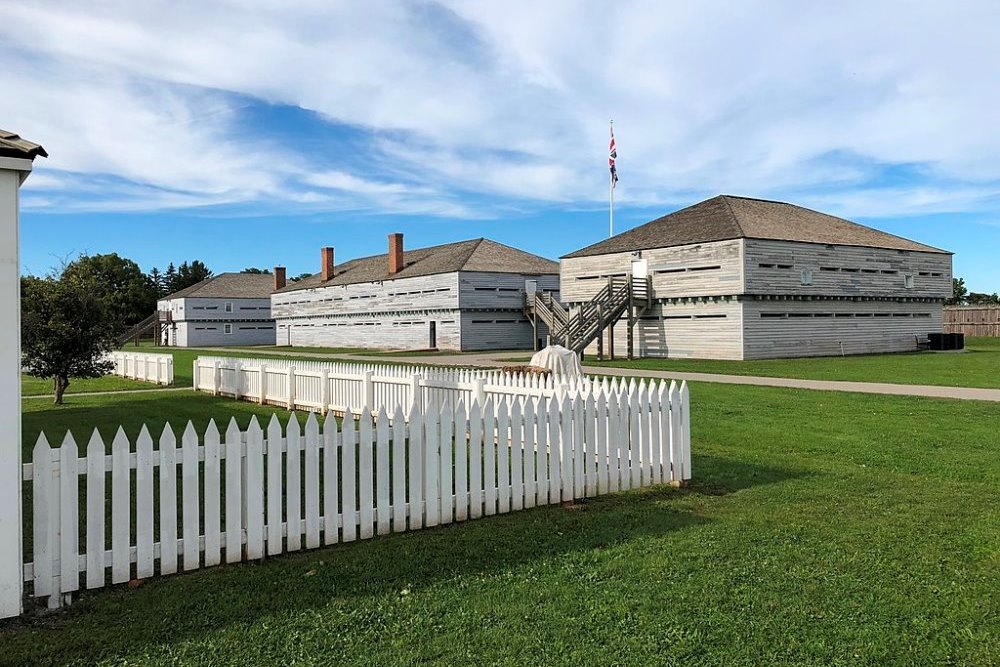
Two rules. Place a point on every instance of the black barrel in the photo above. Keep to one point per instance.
(939, 341)
(957, 341)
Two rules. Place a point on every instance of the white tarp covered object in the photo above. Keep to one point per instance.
(559, 361)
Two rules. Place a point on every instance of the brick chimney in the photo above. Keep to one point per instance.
(395, 253)
(279, 277)
(327, 265)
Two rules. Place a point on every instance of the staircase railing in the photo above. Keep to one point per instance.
(577, 327)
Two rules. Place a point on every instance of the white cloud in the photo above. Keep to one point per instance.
(511, 101)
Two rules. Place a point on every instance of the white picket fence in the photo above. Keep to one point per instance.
(324, 386)
(158, 368)
(247, 494)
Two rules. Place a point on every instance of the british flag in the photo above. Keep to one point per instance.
(612, 156)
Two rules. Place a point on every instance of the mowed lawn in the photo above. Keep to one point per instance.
(821, 529)
(978, 366)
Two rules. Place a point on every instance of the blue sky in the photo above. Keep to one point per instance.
(253, 133)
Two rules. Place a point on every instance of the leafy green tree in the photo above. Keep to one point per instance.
(256, 271)
(983, 299)
(156, 281)
(188, 274)
(958, 292)
(127, 292)
(66, 330)
(299, 277)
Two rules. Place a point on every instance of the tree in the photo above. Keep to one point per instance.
(958, 292)
(255, 271)
(188, 274)
(299, 277)
(126, 291)
(66, 330)
(983, 299)
(156, 281)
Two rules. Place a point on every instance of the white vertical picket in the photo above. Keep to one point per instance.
(190, 505)
(663, 425)
(348, 476)
(489, 457)
(366, 495)
(446, 461)
(519, 435)
(213, 492)
(567, 462)
(398, 470)
(504, 429)
(552, 416)
(69, 516)
(592, 465)
(234, 492)
(612, 441)
(524, 431)
(382, 472)
(432, 466)
(331, 478)
(121, 509)
(461, 463)
(624, 468)
(635, 437)
(144, 505)
(415, 498)
(475, 460)
(95, 511)
(542, 447)
(293, 484)
(254, 488)
(167, 483)
(312, 482)
(676, 445)
(580, 457)
(685, 397)
(653, 424)
(274, 487)
(44, 511)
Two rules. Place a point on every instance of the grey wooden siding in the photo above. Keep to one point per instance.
(391, 296)
(198, 308)
(496, 330)
(703, 330)
(213, 333)
(775, 267)
(374, 331)
(818, 328)
(707, 269)
(498, 291)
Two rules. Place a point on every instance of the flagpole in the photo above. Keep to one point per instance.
(611, 194)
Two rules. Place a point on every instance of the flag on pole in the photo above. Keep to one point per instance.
(612, 156)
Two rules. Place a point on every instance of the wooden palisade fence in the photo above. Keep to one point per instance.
(158, 368)
(972, 320)
(245, 495)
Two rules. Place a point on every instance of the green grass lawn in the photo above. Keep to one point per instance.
(978, 366)
(32, 386)
(82, 414)
(822, 529)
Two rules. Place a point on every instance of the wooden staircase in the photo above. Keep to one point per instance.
(152, 325)
(577, 327)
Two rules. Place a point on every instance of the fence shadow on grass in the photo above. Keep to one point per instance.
(123, 621)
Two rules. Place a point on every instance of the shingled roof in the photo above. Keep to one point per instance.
(12, 145)
(229, 286)
(727, 217)
(473, 255)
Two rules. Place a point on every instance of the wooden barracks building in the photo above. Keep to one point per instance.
(467, 295)
(740, 278)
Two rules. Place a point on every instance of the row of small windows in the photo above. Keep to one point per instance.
(367, 296)
(689, 269)
(603, 276)
(499, 321)
(707, 316)
(838, 315)
(497, 289)
(848, 269)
